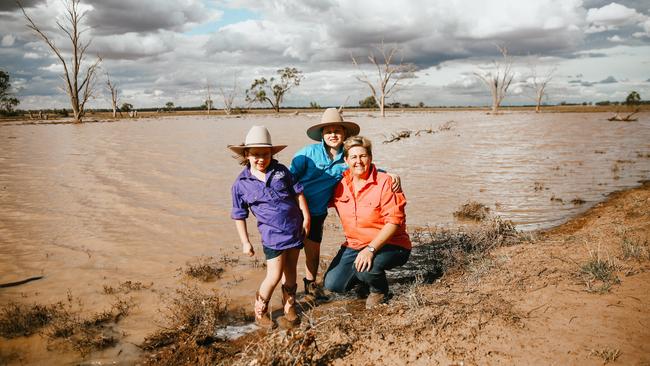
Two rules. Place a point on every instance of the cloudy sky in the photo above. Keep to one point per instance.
(159, 51)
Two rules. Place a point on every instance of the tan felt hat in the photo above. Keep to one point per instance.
(257, 136)
(332, 116)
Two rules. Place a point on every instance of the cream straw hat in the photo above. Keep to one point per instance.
(257, 136)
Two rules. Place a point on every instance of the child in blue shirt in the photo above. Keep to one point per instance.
(319, 168)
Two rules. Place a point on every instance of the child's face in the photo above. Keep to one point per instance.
(334, 135)
(259, 157)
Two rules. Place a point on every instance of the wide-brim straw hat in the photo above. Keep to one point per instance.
(332, 116)
(257, 136)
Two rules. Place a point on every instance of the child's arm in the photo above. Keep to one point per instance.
(242, 230)
(306, 221)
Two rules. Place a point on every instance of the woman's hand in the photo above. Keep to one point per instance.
(363, 262)
(247, 248)
(397, 183)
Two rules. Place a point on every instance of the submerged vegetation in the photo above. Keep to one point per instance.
(63, 324)
(473, 210)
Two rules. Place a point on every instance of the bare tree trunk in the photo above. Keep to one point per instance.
(389, 76)
(229, 97)
(539, 84)
(208, 101)
(78, 85)
(499, 79)
(112, 88)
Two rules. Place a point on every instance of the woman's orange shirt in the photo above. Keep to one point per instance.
(366, 214)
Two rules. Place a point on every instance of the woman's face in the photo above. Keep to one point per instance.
(259, 157)
(358, 161)
(334, 135)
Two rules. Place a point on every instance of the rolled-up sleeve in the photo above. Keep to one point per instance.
(392, 205)
(239, 206)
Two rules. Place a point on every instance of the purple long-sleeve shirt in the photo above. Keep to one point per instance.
(273, 203)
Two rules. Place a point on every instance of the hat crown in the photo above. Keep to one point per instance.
(331, 115)
(258, 135)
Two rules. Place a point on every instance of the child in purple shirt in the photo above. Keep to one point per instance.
(267, 188)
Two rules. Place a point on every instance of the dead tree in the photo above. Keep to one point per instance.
(112, 88)
(389, 75)
(498, 79)
(229, 95)
(208, 100)
(79, 85)
(539, 84)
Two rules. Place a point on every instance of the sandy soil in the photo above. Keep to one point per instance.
(528, 303)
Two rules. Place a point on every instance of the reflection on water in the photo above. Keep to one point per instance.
(99, 203)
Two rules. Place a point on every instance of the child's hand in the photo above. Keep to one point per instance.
(247, 248)
(397, 183)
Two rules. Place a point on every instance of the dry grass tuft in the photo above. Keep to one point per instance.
(190, 334)
(318, 341)
(62, 324)
(473, 210)
(86, 335)
(599, 273)
(18, 320)
(633, 248)
(206, 269)
(437, 250)
(608, 355)
(126, 287)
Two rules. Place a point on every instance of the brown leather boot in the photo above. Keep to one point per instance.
(314, 292)
(374, 299)
(289, 304)
(262, 317)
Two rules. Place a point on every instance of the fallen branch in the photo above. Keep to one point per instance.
(403, 134)
(627, 118)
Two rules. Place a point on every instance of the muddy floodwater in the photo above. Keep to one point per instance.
(103, 203)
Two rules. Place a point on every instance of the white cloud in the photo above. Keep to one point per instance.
(56, 68)
(612, 16)
(8, 40)
(31, 55)
(615, 38)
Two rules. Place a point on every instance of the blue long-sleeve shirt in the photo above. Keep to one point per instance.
(318, 174)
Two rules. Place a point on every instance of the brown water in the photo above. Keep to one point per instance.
(102, 203)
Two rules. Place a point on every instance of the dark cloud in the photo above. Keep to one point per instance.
(10, 5)
(608, 80)
(124, 16)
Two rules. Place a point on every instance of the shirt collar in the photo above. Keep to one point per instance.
(339, 153)
(372, 177)
(246, 173)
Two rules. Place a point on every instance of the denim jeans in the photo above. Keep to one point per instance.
(341, 275)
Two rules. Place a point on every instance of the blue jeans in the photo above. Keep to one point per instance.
(341, 275)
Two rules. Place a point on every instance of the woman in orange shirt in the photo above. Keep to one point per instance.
(374, 223)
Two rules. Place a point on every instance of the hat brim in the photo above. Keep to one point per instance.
(239, 149)
(315, 132)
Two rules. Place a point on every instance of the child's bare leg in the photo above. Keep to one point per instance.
(273, 275)
(312, 257)
(289, 266)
